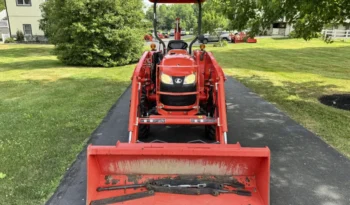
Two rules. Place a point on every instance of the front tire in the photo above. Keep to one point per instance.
(210, 132)
(143, 129)
(205, 41)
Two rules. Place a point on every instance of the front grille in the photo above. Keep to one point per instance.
(183, 100)
(178, 100)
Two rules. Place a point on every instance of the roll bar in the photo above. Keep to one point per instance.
(199, 25)
(155, 25)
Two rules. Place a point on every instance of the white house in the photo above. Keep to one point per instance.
(4, 26)
(282, 28)
(24, 15)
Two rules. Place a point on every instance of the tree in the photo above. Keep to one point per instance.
(2, 5)
(307, 16)
(94, 32)
(166, 15)
(213, 18)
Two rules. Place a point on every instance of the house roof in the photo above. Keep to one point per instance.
(3, 14)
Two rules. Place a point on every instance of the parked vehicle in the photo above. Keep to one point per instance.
(225, 35)
(183, 32)
(148, 37)
(160, 35)
(242, 37)
(172, 32)
(166, 35)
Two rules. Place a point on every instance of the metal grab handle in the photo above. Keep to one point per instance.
(187, 185)
(131, 186)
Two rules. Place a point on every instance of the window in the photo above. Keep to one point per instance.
(24, 2)
(27, 29)
(279, 25)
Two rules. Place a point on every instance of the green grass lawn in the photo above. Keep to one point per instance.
(293, 74)
(47, 112)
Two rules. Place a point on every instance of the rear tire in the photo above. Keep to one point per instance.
(144, 105)
(143, 131)
(205, 41)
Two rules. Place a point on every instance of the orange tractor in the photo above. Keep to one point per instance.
(178, 86)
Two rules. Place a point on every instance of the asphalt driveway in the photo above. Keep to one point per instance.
(304, 170)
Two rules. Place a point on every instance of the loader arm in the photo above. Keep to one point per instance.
(140, 74)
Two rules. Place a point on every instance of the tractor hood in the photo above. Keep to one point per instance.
(175, 64)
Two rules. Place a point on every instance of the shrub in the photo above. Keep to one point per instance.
(222, 43)
(9, 40)
(19, 36)
(293, 34)
(94, 32)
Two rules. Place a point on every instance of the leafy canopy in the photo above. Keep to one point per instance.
(166, 15)
(2, 5)
(212, 18)
(307, 16)
(94, 32)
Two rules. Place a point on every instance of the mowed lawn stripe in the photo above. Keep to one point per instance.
(47, 112)
(293, 74)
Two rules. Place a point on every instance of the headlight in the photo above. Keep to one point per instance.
(166, 79)
(190, 79)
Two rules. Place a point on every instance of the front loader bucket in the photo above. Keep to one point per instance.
(127, 164)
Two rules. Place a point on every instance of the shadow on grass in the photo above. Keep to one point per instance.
(46, 126)
(288, 91)
(331, 62)
(299, 100)
(30, 65)
(26, 52)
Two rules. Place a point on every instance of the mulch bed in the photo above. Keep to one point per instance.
(340, 101)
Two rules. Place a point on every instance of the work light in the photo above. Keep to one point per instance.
(166, 79)
(190, 79)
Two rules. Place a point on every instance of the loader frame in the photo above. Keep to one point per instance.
(138, 164)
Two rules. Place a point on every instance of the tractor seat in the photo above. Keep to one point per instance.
(177, 44)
